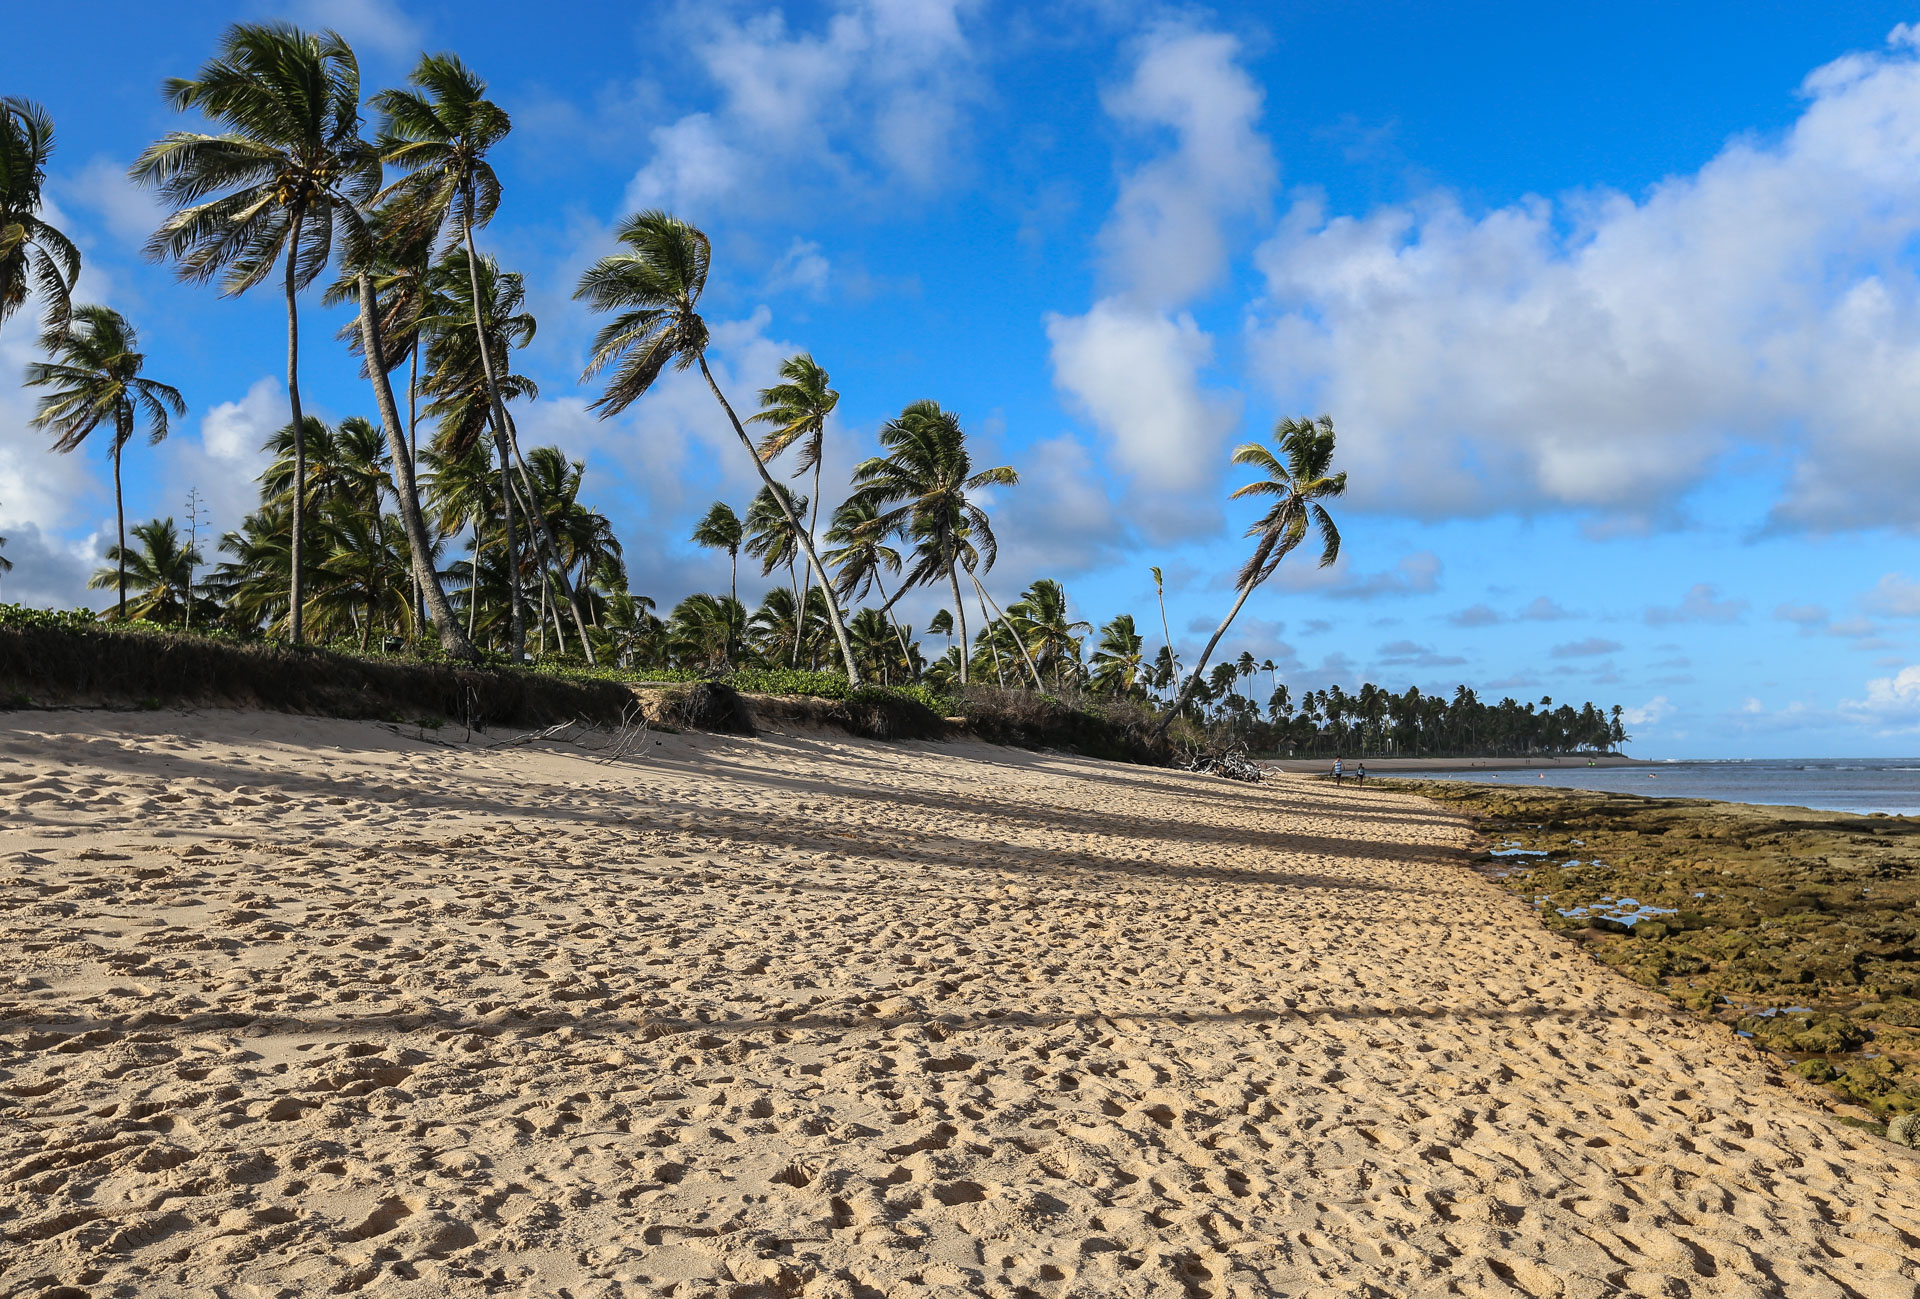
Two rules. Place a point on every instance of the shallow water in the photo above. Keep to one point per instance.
(1834, 784)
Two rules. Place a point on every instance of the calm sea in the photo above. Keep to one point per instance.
(1834, 784)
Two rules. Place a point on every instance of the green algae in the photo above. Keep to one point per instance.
(1799, 928)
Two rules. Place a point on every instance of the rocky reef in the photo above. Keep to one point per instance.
(1798, 928)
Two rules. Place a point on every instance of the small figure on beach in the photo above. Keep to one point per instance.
(1339, 769)
(1360, 773)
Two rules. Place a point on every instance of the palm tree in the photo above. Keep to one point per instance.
(1299, 479)
(292, 165)
(6, 565)
(1117, 659)
(1160, 591)
(706, 630)
(861, 553)
(719, 529)
(773, 537)
(655, 287)
(439, 134)
(396, 265)
(33, 255)
(795, 411)
(920, 490)
(161, 569)
(95, 377)
(1041, 622)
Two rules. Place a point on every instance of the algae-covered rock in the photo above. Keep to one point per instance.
(1817, 1070)
(1905, 1131)
(1770, 906)
(1810, 1032)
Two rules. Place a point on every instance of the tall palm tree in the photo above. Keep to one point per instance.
(1160, 592)
(162, 571)
(1298, 480)
(795, 411)
(397, 264)
(469, 376)
(33, 254)
(719, 529)
(292, 167)
(656, 287)
(6, 565)
(920, 490)
(95, 378)
(439, 134)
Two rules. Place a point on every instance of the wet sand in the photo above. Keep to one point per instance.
(309, 1007)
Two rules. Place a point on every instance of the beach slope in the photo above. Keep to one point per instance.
(295, 1006)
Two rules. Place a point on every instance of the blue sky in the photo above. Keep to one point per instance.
(1614, 309)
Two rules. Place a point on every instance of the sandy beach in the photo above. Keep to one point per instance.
(294, 1006)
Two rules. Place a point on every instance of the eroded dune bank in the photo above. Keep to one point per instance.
(303, 1007)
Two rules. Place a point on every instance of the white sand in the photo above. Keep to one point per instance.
(297, 1007)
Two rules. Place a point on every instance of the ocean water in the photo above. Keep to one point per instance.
(1889, 785)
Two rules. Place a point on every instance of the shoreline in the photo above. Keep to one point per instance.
(304, 1006)
(1386, 766)
(1791, 925)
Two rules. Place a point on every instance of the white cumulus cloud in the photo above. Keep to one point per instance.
(1599, 351)
(872, 98)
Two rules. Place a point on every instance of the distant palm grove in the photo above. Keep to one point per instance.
(427, 528)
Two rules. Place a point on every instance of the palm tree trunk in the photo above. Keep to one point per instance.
(733, 580)
(452, 642)
(799, 612)
(960, 614)
(120, 517)
(296, 592)
(905, 653)
(806, 542)
(418, 609)
(1180, 700)
(542, 623)
(544, 536)
(999, 673)
(473, 580)
(517, 623)
(1171, 661)
(1011, 630)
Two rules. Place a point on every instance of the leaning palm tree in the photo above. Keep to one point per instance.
(33, 255)
(1298, 479)
(920, 489)
(656, 287)
(162, 571)
(95, 378)
(795, 411)
(719, 529)
(290, 168)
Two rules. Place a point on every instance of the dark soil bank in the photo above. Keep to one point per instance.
(1800, 928)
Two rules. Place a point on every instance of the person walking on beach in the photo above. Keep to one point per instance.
(1360, 774)
(1338, 769)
